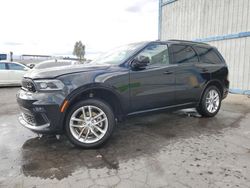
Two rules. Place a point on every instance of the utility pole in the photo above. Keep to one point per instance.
(11, 56)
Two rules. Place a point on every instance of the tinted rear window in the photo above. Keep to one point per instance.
(208, 55)
(183, 54)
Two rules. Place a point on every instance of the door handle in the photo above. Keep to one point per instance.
(168, 72)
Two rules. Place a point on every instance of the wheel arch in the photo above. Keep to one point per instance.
(98, 91)
(215, 83)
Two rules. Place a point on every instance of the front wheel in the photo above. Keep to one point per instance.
(90, 123)
(210, 102)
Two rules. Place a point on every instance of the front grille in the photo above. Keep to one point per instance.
(30, 119)
(28, 85)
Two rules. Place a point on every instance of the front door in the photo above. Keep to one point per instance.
(154, 86)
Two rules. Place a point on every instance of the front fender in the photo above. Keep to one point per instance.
(88, 89)
(93, 86)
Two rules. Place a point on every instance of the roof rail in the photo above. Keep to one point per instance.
(187, 41)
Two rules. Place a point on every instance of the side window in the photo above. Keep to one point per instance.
(2, 66)
(13, 66)
(208, 55)
(183, 54)
(157, 54)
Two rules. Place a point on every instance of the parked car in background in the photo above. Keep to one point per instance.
(11, 73)
(86, 101)
(55, 63)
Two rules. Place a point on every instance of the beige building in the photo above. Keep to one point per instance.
(221, 23)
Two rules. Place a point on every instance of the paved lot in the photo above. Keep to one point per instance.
(164, 150)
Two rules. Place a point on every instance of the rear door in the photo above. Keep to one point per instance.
(188, 79)
(153, 86)
(3, 74)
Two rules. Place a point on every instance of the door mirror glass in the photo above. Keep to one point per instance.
(140, 62)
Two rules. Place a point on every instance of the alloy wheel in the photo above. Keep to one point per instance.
(88, 124)
(212, 101)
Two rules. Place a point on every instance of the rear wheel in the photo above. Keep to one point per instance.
(90, 123)
(210, 102)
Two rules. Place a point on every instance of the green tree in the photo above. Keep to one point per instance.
(79, 50)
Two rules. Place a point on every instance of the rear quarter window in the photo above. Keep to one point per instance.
(208, 55)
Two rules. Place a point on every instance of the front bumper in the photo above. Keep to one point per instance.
(23, 121)
(40, 112)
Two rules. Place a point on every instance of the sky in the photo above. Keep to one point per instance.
(51, 27)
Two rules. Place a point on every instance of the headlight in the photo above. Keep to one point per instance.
(49, 85)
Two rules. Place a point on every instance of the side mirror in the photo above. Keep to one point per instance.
(30, 65)
(140, 62)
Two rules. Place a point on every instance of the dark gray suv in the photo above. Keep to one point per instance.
(86, 101)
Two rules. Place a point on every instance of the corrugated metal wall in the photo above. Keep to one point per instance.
(199, 19)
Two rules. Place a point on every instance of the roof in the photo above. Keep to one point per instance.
(175, 41)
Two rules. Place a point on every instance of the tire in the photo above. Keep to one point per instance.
(88, 130)
(203, 108)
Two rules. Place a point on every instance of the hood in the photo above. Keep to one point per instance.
(62, 70)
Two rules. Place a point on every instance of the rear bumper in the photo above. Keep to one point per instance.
(225, 89)
(225, 93)
(38, 114)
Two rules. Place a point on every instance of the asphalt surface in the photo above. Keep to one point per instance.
(164, 150)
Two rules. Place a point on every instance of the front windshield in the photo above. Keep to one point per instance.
(118, 55)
